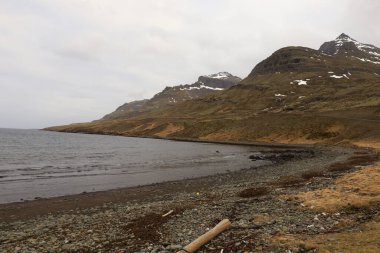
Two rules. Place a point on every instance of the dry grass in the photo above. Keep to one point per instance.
(254, 192)
(169, 129)
(360, 188)
(261, 218)
(366, 240)
(368, 144)
(242, 125)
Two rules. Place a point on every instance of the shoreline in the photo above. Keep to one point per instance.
(221, 142)
(13, 191)
(264, 205)
(24, 209)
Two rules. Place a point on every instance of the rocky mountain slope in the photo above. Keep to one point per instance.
(344, 45)
(170, 96)
(297, 95)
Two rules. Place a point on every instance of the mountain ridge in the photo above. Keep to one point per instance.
(344, 45)
(205, 85)
(296, 95)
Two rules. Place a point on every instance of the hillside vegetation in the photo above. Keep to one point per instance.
(296, 95)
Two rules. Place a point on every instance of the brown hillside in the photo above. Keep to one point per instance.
(297, 95)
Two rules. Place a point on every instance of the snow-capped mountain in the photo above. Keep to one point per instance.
(221, 75)
(346, 46)
(330, 95)
(218, 81)
(205, 85)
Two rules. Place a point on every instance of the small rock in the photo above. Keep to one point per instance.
(174, 247)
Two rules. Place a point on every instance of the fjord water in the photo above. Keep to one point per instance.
(37, 163)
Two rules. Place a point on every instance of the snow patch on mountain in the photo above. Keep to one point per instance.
(340, 76)
(202, 86)
(301, 82)
(220, 75)
(366, 60)
(337, 77)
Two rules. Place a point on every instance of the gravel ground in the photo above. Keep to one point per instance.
(135, 224)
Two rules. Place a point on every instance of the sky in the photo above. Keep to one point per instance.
(66, 61)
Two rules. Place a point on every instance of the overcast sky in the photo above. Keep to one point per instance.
(65, 61)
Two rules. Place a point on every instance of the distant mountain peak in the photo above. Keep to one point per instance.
(220, 75)
(344, 36)
(346, 46)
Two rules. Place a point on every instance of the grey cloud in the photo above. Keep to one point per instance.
(69, 61)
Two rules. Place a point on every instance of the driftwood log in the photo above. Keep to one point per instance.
(209, 235)
(166, 214)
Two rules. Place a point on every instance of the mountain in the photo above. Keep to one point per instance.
(296, 95)
(346, 46)
(170, 96)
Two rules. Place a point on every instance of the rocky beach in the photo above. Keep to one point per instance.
(322, 198)
(189, 126)
(274, 208)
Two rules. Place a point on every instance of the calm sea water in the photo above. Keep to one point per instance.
(37, 163)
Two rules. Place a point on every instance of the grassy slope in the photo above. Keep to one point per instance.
(326, 110)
